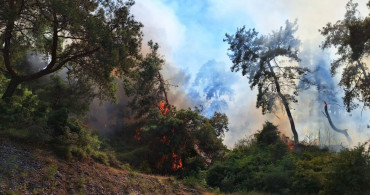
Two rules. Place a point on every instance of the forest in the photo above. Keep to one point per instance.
(82, 80)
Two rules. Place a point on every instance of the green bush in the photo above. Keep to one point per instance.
(190, 181)
(23, 111)
(268, 166)
(79, 142)
(349, 172)
(277, 180)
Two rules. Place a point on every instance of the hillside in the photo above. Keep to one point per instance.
(27, 170)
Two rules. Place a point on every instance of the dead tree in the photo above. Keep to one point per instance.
(342, 131)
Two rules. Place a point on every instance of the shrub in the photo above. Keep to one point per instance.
(350, 172)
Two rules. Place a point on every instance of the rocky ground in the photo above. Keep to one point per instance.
(25, 170)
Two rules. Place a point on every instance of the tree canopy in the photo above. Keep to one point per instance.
(351, 37)
(259, 57)
(89, 38)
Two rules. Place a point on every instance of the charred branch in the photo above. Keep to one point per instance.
(342, 131)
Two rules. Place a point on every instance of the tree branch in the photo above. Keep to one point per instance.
(342, 131)
(7, 43)
(59, 66)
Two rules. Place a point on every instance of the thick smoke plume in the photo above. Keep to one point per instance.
(310, 108)
(193, 87)
(212, 88)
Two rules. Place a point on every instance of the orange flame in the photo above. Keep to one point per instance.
(163, 106)
(164, 140)
(288, 142)
(177, 164)
(138, 134)
(290, 145)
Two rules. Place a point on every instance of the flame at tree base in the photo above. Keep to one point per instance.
(177, 164)
(288, 142)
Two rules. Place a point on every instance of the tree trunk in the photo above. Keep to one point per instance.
(363, 70)
(286, 105)
(342, 131)
(13, 84)
(292, 125)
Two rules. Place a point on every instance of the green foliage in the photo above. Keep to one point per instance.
(146, 85)
(269, 134)
(220, 122)
(277, 180)
(189, 135)
(28, 119)
(181, 142)
(24, 118)
(253, 167)
(266, 165)
(253, 54)
(261, 60)
(190, 181)
(351, 37)
(350, 172)
(75, 95)
(109, 42)
(310, 172)
(77, 141)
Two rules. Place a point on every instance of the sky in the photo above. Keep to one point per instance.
(191, 32)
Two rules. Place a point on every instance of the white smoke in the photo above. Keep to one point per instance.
(191, 34)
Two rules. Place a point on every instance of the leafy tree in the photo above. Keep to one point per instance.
(146, 86)
(173, 139)
(182, 134)
(90, 38)
(310, 172)
(258, 58)
(268, 135)
(351, 38)
(220, 122)
(350, 172)
(262, 165)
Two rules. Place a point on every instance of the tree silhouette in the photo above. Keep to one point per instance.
(351, 38)
(261, 59)
(89, 38)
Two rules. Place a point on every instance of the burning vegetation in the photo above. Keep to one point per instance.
(161, 139)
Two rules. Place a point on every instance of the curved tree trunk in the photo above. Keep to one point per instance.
(342, 131)
(286, 105)
(12, 86)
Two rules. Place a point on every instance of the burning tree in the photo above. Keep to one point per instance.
(146, 86)
(181, 135)
(342, 131)
(174, 137)
(258, 58)
(351, 38)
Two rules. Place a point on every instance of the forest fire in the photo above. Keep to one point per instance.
(288, 142)
(164, 140)
(138, 134)
(164, 107)
(290, 145)
(177, 164)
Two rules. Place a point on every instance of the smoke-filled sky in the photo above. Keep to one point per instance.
(191, 33)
